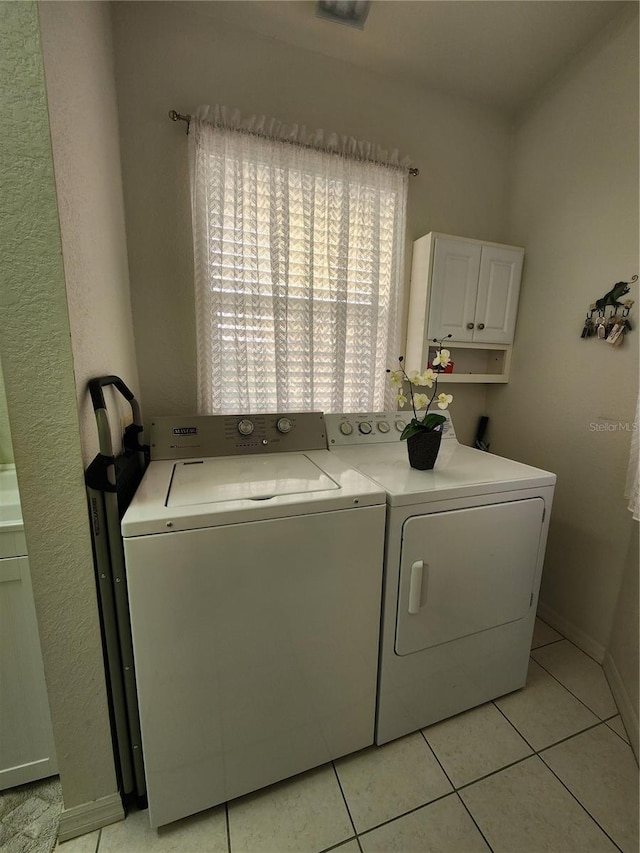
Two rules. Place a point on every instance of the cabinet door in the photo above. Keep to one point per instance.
(498, 291)
(454, 284)
(26, 736)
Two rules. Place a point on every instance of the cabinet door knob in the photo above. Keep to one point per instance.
(481, 326)
(469, 325)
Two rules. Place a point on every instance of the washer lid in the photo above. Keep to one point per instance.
(460, 471)
(257, 478)
(174, 496)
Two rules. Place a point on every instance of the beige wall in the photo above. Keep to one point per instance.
(575, 209)
(41, 393)
(176, 56)
(6, 448)
(621, 661)
(80, 77)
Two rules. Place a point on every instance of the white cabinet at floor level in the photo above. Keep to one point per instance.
(26, 737)
(462, 287)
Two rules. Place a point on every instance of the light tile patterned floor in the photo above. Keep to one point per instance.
(547, 769)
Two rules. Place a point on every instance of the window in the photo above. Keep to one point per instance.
(298, 264)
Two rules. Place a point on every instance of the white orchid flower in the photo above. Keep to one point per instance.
(420, 401)
(427, 378)
(395, 377)
(443, 358)
(401, 399)
(444, 400)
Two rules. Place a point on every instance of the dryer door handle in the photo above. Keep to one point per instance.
(415, 586)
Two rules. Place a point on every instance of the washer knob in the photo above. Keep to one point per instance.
(245, 427)
(364, 427)
(383, 426)
(400, 425)
(284, 425)
(346, 428)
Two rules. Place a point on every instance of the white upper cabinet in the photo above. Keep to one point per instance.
(464, 288)
(474, 290)
(454, 289)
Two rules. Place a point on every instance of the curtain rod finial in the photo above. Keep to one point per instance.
(174, 115)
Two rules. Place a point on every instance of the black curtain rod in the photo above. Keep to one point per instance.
(176, 116)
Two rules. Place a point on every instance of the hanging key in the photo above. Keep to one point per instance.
(589, 327)
(616, 334)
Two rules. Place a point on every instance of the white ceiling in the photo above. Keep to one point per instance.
(497, 52)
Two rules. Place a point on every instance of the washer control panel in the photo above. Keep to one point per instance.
(231, 435)
(361, 428)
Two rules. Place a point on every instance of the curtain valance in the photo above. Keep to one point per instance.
(298, 134)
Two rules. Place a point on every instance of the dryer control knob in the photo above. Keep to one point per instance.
(383, 426)
(284, 425)
(346, 428)
(400, 425)
(365, 427)
(245, 427)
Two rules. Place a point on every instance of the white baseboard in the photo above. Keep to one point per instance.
(628, 712)
(567, 629)
(86, 817)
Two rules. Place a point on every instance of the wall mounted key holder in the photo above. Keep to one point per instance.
(608, 317)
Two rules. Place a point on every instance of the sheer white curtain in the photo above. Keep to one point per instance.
(298, 267)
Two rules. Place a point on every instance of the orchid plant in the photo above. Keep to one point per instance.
(430, 421)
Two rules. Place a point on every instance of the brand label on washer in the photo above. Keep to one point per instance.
(185, 431)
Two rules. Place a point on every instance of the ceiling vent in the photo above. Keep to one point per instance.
(351, 12)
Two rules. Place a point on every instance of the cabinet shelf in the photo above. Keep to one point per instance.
(474, 364)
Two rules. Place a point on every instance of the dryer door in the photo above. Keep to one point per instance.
(465, 571)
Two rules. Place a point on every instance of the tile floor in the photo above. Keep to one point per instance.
(548, 768)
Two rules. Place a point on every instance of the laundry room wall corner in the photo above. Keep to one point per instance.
(569, 406)
(41, 394)
(81, 91)
(621, 658)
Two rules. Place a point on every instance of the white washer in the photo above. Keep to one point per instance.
(254, 571)
(464, 552)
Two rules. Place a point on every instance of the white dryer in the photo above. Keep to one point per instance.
(254, 570)
(464, 551)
